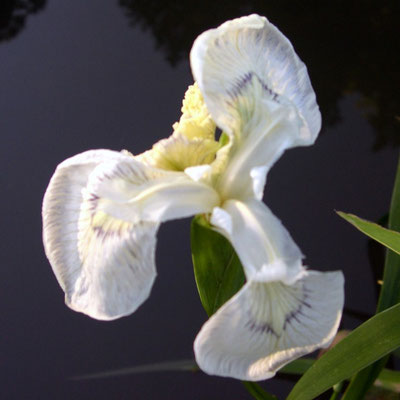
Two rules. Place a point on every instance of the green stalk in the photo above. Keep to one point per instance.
(337, 389)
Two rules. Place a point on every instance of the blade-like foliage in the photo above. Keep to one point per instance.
(297, 367)
(217, 269)
(369, 342)
(389, 295)
(258, 392)
(179, 365)
(387, 237)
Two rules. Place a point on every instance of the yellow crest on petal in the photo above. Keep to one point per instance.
(178, 152)
(192, 142)
(195, 122)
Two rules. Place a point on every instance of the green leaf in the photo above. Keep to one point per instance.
(180, 365)
(297, 367)
(369, 342)
(337, 390)
(301, 365)
(217, 269)
(387, 237)
(258, 392)
(390, 379)
(389, 295)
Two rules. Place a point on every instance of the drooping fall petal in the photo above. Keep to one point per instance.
(101, 213)
(266, 325)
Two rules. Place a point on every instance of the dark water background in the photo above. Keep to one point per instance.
(78, 75)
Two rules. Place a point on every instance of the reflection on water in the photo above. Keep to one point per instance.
(13, 14)
(348, 48)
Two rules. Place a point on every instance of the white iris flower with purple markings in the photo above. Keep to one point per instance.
(102, 209)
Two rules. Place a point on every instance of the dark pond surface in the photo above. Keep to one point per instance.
(79, 75)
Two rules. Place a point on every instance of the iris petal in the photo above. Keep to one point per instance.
(132, 191)
(258, 91)
(101, 213)
(261, 242)
(104, 265)
(250, 49)
(266, 325)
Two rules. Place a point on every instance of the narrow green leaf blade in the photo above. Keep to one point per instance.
(390, 376)
(369, 342)
(297, 367)
(217, 269)
(390, 292)
(180, 365)
(360, 383)
(301, 365)
(258, 392)
(387, 237)
(390, 380)
(389, 295)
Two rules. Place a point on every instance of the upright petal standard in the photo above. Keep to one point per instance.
(102, 208)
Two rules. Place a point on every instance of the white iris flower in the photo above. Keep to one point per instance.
(102, 208)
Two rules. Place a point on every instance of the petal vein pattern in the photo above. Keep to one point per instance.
(250, 49)
(266, 325)
(101, 213)
(258, 91)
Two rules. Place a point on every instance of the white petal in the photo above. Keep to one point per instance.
(132, 191)
(262, 243)
(266, 325)
(267, 137)
(222, 219)
(257, 90)
(197, 172)
(104, 265)
(226, 59)
(259, 177)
